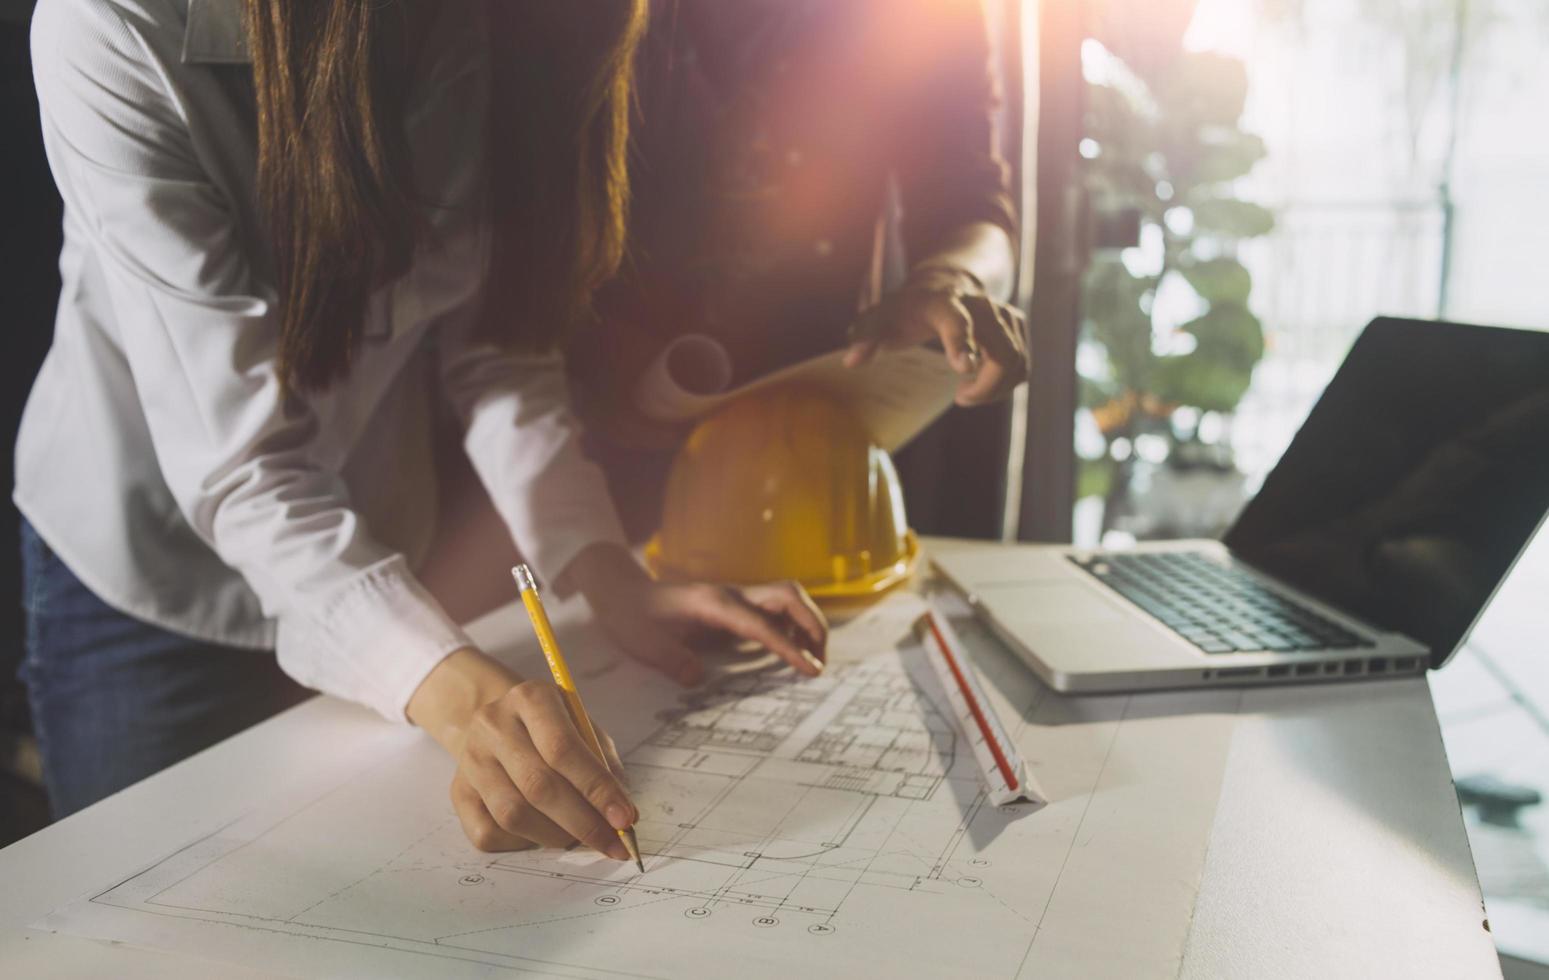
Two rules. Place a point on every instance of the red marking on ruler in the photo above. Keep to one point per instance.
(973, 703)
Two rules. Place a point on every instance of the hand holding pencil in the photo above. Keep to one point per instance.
(566, 683)
(531, 767)
(526, 773)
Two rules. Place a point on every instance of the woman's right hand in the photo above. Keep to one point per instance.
(524, 773)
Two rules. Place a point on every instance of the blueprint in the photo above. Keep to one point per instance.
(838, 823)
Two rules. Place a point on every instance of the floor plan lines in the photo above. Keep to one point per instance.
(843, 814)
(765, 792)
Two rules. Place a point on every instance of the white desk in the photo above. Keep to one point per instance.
(1337, 847)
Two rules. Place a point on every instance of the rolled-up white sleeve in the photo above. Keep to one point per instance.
(239, 455)
(525, 444)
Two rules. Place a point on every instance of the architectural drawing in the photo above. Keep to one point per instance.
(782, 797)
(837, 819)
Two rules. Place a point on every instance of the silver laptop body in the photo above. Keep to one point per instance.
(1372, 549)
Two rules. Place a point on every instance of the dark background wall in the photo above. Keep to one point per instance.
(29, 289)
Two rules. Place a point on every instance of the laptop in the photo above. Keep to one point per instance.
(1373, 547)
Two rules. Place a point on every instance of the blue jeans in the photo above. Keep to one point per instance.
(115, 699)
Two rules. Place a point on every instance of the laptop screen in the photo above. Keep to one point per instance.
(1416, 481)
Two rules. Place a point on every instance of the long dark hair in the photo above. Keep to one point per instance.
(333, 173)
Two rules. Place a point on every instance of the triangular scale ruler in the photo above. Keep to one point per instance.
(1000, 765)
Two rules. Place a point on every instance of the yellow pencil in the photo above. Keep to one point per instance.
(528, 586)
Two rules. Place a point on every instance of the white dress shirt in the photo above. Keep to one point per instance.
(159, 456)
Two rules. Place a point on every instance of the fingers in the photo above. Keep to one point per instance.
(567, 753)
(790, 600)
(907, 319)
(555, 789)
(1001, 339)
(954, 325)
(1010, 349)
(508, 808)
(866, 336)
(726, 609)
(611, 753)
(861, 352)
(478, 825)
(655, 646)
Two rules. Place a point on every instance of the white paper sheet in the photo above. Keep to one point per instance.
(894, 396)
(832, 827)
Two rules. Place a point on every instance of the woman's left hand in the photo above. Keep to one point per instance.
(652, 621)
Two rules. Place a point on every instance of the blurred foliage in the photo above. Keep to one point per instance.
(1165, 144)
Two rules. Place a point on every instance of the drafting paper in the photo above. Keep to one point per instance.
(832, 827)
(895, 395)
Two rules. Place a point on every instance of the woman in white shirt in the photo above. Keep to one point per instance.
(293, 230)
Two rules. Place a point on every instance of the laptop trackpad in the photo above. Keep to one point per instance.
(1047, 603)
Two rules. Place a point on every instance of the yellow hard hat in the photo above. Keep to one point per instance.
(785, 484)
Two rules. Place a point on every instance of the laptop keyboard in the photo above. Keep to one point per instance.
(1214, 606)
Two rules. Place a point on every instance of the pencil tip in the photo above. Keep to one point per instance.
(632, 845)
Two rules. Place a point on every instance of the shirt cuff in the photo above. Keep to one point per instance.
(569, 529)
(373, 641)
